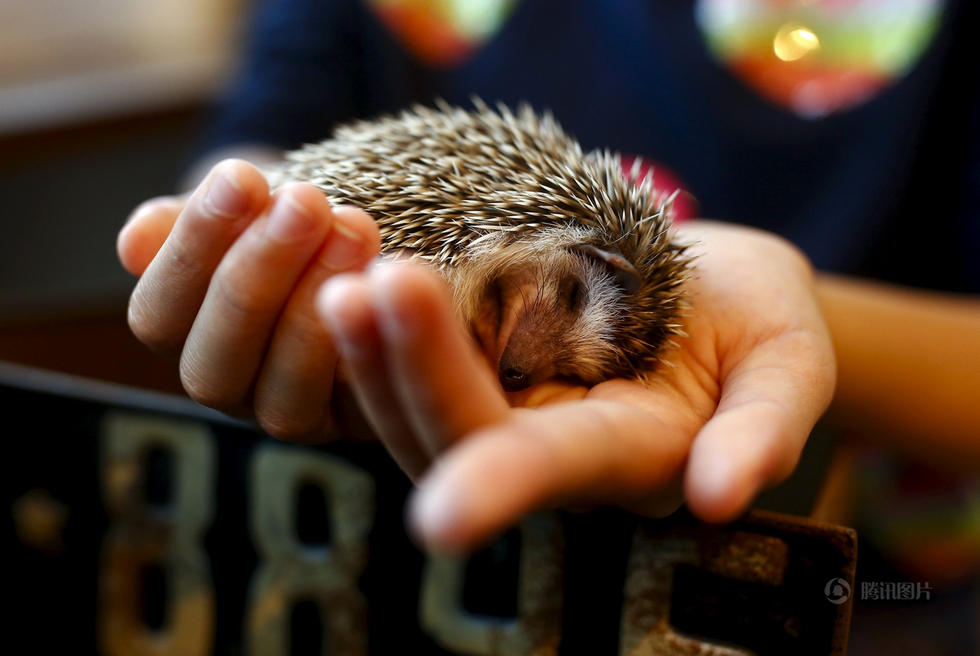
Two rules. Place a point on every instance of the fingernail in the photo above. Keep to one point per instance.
(289, 220)
(336, 309)
(400, 322)
(225, 197)
(344, 248)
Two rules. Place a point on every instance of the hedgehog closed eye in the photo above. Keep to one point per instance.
(512, 213)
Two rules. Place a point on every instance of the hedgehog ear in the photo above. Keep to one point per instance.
(622, 269)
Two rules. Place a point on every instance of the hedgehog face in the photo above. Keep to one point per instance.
(528, 230)
(555, 316)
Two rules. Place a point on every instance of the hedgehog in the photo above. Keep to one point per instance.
(560, 266)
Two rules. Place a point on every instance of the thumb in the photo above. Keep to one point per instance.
(768, 406)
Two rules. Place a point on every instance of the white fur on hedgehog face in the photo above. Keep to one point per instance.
(561, 306)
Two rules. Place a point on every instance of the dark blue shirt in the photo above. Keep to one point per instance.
(888, 189)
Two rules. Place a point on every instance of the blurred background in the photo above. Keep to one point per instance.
(99, 104)
(102, 103)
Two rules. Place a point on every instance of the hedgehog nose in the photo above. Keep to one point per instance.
(514, 379)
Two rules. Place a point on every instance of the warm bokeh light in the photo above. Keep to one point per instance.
(794, 42)
(443, 33)
(817, 57)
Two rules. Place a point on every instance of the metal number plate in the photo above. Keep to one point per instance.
(141, 525)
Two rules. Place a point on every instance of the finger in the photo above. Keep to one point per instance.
(167, 297)
(348, 421)
(768, 406)
(294, 387)
(249, 289)
(593, 450)
(344, 307)
(445, 388)
(146, 230)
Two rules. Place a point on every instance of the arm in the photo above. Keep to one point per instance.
(908, 368)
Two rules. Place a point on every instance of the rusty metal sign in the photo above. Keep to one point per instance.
(143, 525)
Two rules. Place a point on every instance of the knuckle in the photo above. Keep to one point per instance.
(206, 392)
(148, 329)
(242, 303)
(182, 265)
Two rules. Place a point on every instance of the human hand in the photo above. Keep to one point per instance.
(727, 416)
(227, 280)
